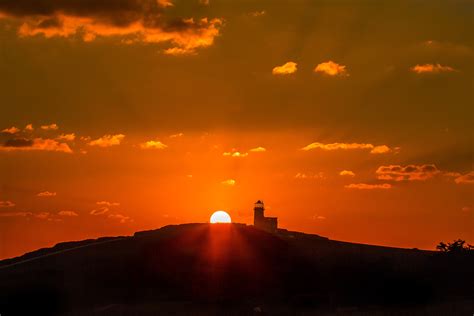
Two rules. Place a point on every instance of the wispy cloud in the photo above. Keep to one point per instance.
(104, 207)
(302, 175)
(50, 127)
(153, 144)
(347, 173)
(258, 150)
(42, 215)
(331, 68)
(107, 203)
(11, 130)
(407, 173)
(99, 211)
(285, 69)
(121, 218)
(107, 140)
(29, 127)
(46, 194)
(66, 137)
(165, 3)
(177, 135)
(229, 182)
(236, 154)
(467, 178)
(347, 146)
(15, 214)
(68, 213)
(382, 149)
(431, 69)
(6, 204)
(365, 186)
(256, 14)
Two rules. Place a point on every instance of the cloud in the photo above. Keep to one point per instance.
(236, 154)
(286, 69)
(466, 208)
(104, 207)
(331, 68)
(165, 3)
(204, 2)
(468, 178)
(122, 218)
(407, 173)
(15, 214)
(229, 182)
(23, 144)
(347, 173)
(431, 69)
(6, 204)
(46, 194)
(382, 149)
(300, 175)
(345, 146)
(177, 135)
(451, 174)
(51, 127)
(365, 186)
(99, 211)
(29, 127)
(256, 14)
(153, 145)
(258, 150)
(132, 21)
(318, 217)
(11, 130)
(107, 140)
(68, 213)
(67, 137)
(42, 215)
(107, 203)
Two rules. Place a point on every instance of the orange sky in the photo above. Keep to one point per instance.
(352, 120)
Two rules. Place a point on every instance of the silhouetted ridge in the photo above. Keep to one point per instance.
(227, 263)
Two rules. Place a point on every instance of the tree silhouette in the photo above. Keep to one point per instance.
(457, 246)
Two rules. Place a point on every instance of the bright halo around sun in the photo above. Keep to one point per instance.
(220, 217)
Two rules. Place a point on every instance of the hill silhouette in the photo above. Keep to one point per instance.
(205, 269)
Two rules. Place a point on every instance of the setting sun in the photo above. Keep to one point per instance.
(220, 217)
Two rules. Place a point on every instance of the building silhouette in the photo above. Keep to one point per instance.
(268, 224)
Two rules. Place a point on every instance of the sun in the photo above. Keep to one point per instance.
(220, 217)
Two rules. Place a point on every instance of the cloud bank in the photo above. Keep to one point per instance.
(407, 173)
(132, 21)
(382, 149)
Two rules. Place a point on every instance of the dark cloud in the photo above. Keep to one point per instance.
(137, 20)
(18, 142)
(44, 144)
(120, 12)
(407, 173)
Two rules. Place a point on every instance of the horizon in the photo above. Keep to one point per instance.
(345, 121)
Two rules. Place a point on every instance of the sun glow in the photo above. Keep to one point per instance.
(220, 217)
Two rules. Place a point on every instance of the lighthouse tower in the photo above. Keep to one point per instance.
(258, 215)
(268, 224)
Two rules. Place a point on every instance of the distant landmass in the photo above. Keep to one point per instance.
(235, 269)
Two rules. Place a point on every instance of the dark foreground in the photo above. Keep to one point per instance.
(202, 269)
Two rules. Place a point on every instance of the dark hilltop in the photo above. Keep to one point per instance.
(233, 269)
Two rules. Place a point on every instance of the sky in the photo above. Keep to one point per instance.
(349, 119)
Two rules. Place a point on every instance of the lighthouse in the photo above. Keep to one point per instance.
(268, 224)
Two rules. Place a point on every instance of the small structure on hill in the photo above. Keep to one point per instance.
(268, 224)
